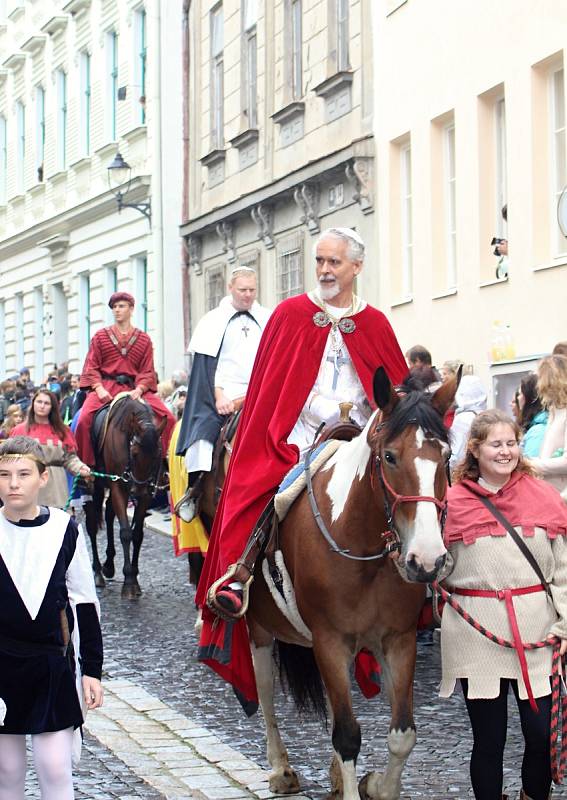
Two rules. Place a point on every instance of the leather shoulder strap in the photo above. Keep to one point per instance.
(526, 552)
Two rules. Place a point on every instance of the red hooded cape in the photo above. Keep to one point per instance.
(285, 370)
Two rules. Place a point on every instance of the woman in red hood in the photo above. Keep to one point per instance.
(516, 598)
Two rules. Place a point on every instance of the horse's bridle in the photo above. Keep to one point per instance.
(391, 535)
(152, 482)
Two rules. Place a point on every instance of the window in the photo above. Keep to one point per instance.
(450, 205)
(217, 79)
(406, 220)
(60, 324)
(19, 329)
(85, 103)
(141, 61)
(501, 168)
(20, 145)
(39, 132)
(289, 271)
(84, 314)
(111, 83)
(3, 159)
(38, 332)
(141, 290)
(342, 34)
(215, 286)
(293, 49)
(110, 286)
(61, 84)
(558, 162)
(250, 63)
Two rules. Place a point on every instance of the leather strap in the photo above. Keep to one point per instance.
(526, 552)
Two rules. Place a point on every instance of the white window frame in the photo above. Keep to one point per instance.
(501, 172)
(61, 87)
(217, 77)
(39, 132)
(85, 103)
(111, 286)
(342, 29)
(215, 285)
(84, 313)
(450, 181)
(406, 218)
(290, 267)
(3, 369)
(20, 146)
(250, 62)
(140, 263)
(111, 84)
(39, 312)
(3, 160)
(140, 62)
(558, 177)
(19, 329)
(296, 22)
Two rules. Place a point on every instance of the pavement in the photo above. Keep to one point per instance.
(170, 729)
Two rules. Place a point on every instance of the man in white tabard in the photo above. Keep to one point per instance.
(224, 345)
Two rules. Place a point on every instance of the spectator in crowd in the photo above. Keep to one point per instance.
(44, 424)
(14, 415)
(560, 349)
(470, 400)
(532, 417)
(552, 389)
(165, 390)
(419, 357)
(449, 369)
(515, 406)
(484, 566)
(7, 392)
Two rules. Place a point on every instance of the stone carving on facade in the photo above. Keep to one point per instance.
(306, 198)
(225, 232)
(263, 217)
(194, 248)
(360, 175)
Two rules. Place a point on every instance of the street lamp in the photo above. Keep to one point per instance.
(120, 173)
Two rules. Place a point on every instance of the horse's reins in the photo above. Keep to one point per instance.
(391, 535)
(128, 475)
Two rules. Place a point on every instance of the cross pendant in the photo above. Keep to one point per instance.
(245, 330)
(337, 362)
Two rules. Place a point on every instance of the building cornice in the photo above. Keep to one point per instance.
(57, 228)
(54, 25)
(76, 6)
(34, 43)
(361, 148)
(15, 60)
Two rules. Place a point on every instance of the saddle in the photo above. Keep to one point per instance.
(101, 420)
(344, 429)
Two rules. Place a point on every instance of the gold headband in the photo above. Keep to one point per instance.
(17, 456)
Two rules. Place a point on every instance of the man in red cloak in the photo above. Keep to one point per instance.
(317, 349)
(120, 358)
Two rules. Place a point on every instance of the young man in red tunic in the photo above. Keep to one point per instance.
(318, 349)
(120, 358)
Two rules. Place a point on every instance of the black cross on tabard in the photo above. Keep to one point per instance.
(337, 361)
(245, 330)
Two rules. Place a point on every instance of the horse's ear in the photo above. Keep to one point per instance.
(445, 394)
(385, 396)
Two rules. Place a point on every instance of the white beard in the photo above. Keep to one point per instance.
(328, 291)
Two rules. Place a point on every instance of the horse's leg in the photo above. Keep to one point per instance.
(399, 665)
(137, 539)
(283, 779)
(91, 523)
(109, 516)
(333, 659)
(120, 503)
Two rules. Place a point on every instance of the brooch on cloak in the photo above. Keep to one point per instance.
(345, 324)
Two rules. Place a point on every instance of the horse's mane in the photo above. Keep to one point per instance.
(415, 408)
(122, 416)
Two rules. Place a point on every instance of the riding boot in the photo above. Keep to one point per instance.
(187, 507)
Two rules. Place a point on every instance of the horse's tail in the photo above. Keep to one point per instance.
(300, 676)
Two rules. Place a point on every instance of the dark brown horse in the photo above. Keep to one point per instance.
(360, 581)
(132, 451)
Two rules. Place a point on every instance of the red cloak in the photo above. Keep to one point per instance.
(285, 370)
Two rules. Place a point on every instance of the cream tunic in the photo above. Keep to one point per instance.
(496, 562)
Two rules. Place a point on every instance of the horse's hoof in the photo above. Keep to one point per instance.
(99, 581)
(130, 592)
(285, 781)
(372, 787)
(362, 786)
(108, 570)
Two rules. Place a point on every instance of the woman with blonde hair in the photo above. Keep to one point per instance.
(498, 515)
(552, 389)
(14, 415)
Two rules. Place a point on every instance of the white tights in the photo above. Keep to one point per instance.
(52, 761)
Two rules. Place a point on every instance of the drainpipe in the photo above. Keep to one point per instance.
(157, 181)
(185, 264)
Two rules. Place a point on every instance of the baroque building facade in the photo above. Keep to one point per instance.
(79, 81)
(279, 133)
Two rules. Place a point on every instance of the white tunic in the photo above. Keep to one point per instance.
(336, 382)
(237, 354)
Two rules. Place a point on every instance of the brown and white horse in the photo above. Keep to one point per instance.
(356, 587)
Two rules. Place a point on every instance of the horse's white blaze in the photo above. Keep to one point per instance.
(350, 784)
(426, 544)
(348, 463)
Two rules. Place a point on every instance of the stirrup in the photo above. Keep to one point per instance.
(212, 602)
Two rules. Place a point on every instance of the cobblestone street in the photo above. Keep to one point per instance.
(155, 690)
